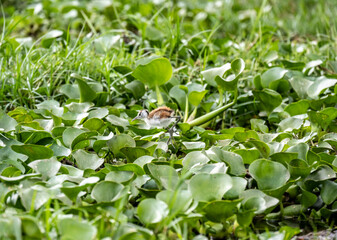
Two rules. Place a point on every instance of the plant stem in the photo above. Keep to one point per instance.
(160, 99)
(213, 114)
(186, 110)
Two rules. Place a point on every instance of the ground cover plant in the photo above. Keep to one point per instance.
(254, 83)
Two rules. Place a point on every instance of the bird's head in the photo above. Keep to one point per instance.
(142, 114)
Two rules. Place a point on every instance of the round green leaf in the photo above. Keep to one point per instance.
(193, 158)
(86, 160)
(137, 88)
(177, 200)
(219, 211)
(152, 211)
(107, 191)
(210, 74)
(34, 152)
(154, 73)
(74, 229)
(47, 167)
(271, 75)
(6, 122)
(268, 174)
(195, 97)
(319, 85)
(329, 191)
(299, 168)
(209, 187)
(120, 141)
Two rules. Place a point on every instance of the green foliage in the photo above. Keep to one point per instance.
(255, 85)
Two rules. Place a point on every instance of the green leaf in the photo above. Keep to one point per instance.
(218, 211)
(210, 74)
(82, 140)
(33, 198)
(271, 75)
(156, 72)
(87, 94)
(46, 167)
(177, 200)
(72, 91)
(268, 98)
(319, 85)
(324, 117)
(289, 124)
(259, 125)
(165, 176)
(86, 160)
(34, 152)
(297, 108)
(152, 211)
(72, 191)
(179, 95)
(257, 200)
(6, 122)
(268, 174)
(194, 158)
(199, 186)
(234, 161)
(73, 229)
(119, 176)
(261, 146)
(70, 134)
(322, 173)
(120, 141)
(195, 97)
(106, 191)
(94, 124)
(329, 191)
(239, 185)
(299, 168)
(300, 85)
(137, 88)
(132, 153)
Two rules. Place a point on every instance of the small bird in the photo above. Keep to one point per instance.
(160, 117)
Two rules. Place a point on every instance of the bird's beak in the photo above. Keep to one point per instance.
(135, 118)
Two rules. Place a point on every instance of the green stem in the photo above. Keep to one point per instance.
(220, 97)
(160, 99)
(192, 116)
(186, 110)
(213, 114)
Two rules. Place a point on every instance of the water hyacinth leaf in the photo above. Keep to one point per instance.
(87, 94)
(300, 85)
(106, 42)
(271, 75)
(194, 158)
(199, 186)
(234, 161)
(31, 197)
(98, 113)
(244, 136)
(6, 122)
(34, 152)
(107, 191)
(329, 191)
(72, 91)
(301, 149)
(308, 198)
(31, 226)
(239, 185)
(60, 151)
(70, 134)
(152, 211)
(299, 168)
(156, 72)
(119, 176)
(165, 176)
(137, 88)
(33, 137)
(261, 146)
(248, 155)
(218, 211)
(125, 70)
(195, 97)
(268, 202)
(297, 108)
(132, 167)
(72, 191)
(178, 200)
(322, 173)
(210, 74)
(117, 121)
(289, 124)
(73, 229)
(120, 141)
(324, 117)
(10, 227)
(319, 85)
(46, 167)
(259, 125)
(82, 140)
(179, 95)
(132, 153)
(268, 174)
(86, 160)
(94, 124)
(76, 107)
(269, 99)
(7, 152)
(52, 106)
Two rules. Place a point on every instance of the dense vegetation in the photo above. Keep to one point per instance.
(254, 155)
